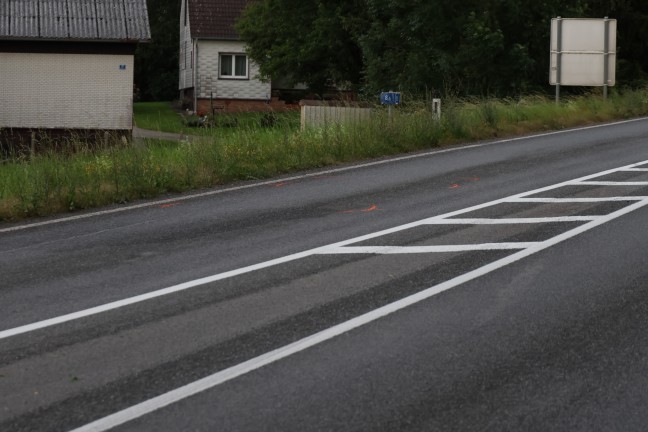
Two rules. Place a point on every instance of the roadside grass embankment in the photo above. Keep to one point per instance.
(53, 182)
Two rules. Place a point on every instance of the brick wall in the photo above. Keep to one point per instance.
(238, 105)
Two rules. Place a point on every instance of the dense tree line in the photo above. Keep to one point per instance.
(469, 47)
(475, 47)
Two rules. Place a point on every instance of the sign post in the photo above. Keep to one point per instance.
(390, 98)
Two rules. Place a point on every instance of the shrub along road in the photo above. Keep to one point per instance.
(531, 324)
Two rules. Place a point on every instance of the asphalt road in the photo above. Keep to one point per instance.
(497, 286)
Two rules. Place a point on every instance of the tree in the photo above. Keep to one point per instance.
(479, 47)
(156, 63)
(632, 54)
(469, 47)
(310, 41)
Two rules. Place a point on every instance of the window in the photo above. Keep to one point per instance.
(233, 66)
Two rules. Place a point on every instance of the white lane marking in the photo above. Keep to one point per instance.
(306, 176)
(609, 183)
(579, 200)
(636, 169)
(510, 221)
(154, 404)
(199, 282)
(387, 250)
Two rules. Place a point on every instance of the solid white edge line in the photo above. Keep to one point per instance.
(309, 175)
(511, 221)
(579, 200)
(388, 250)
(636, 169)
(198, 282)
(610, 183)
(223, 376)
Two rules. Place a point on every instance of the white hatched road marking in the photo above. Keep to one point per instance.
(202, 281)
(166, 399)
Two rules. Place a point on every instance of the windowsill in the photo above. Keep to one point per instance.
(228, 78)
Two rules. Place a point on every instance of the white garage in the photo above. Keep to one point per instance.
(66, 66)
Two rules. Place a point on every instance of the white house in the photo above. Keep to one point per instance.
(215, 71)
(66, 66)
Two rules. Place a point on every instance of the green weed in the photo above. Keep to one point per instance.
(81, 177)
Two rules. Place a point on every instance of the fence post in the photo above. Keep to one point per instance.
(436, 108)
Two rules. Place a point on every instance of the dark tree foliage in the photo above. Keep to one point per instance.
(306, 41)
(468, 47)
(156, 63)
(632, 37)
(478, 47)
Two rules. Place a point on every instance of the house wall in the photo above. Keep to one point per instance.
(185, 64)
(208, 76)
(66, 91)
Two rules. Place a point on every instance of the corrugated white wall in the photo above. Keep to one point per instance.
(66, 91)
(208, 80)
(185, 65)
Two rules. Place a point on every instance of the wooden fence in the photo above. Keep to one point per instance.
(317, 114)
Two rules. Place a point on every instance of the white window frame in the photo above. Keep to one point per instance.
(233, 57)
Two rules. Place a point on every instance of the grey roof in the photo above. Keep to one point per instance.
(88, 20)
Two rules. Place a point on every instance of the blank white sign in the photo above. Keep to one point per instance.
(583, 52)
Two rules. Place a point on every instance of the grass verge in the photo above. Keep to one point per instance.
(54, 182)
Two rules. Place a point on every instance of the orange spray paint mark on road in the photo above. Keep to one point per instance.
(282, 184)
(464, 179)
(373, 207)
(169, 205)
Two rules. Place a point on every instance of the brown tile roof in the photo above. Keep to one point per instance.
(215, 19)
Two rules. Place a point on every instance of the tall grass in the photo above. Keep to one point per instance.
(54, 182)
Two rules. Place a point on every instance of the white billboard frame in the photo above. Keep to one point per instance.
(583, 53)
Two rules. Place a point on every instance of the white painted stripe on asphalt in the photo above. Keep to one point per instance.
(233, 372)
(636, 169)
(388, 250)
(579, 200)
(511, 221)
(304, 176)
(199, 282)
(609, 183)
